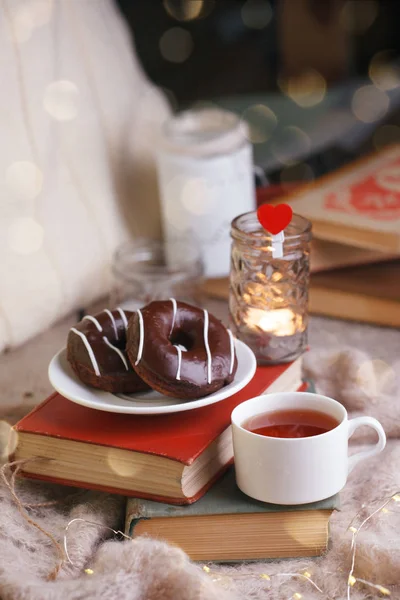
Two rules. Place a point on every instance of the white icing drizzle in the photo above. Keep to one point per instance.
(232, 350)
(109, 313)
(89, 350)
(118, 351)
(123, 317)
(95, 321)
(207, 346)
(179, 350)
(178, 371)
(174, 308)
(141, 337)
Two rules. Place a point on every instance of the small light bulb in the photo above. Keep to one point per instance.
(206, 569)
(89, 571)
(353, 529)
(265, 576)
(352, 580)
(384, 510)
(297, 596)
(384, 590)
(307, 574)
(396, 498)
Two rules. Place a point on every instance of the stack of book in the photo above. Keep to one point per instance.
(355, 253)
(176, 470)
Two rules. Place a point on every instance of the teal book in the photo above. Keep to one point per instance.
(225, 525)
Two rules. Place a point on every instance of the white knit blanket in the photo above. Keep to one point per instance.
(150, 570)
(78, 120)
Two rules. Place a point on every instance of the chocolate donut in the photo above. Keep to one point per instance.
(180, 350)
(96, 352)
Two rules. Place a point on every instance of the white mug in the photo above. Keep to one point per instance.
(296, 470)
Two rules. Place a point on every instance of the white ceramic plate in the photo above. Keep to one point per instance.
(64, 380)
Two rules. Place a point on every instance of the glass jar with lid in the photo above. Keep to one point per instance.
(205, 173)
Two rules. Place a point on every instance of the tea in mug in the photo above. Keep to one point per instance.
(291, 423)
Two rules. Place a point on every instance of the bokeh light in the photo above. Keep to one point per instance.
(376, 376)
(188, 10)
(256, 14)
(295, 173)
(386, 135)
(176, 45)
(196, 197)
(174, 212)
(61, 100)
(120, 465)
(358, 16)
(25, 235)
(307, 89)
(382, 72)
(369, 104)
(8, 440)
(205, 104)
(22, 25)
(24, 180)
(292, 143)
(294, 528)
(261, 122)
(40, 11)
(28, 16)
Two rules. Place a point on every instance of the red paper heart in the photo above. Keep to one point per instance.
(275, 218)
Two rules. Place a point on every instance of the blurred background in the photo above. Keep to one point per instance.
(306, 74)
(88, 88)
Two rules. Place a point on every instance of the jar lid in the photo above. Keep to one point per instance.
(204, 132)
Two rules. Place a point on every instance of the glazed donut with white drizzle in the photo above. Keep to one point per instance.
(96, 351)
(180, 350)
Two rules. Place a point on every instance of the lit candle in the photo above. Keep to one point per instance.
(279, 322)
(268, 296)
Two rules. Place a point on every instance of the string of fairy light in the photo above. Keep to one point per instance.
(351, 579)
(304, 575)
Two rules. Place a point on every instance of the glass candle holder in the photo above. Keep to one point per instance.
(268, 298)
(146, 270)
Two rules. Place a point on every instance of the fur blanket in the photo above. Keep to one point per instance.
(150, 570)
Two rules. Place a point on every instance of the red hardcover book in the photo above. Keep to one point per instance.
(173, 458)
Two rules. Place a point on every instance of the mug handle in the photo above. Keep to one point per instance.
(376, 448)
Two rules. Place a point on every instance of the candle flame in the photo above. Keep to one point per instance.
(281, 321)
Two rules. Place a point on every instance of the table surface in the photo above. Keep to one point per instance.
(23, 371)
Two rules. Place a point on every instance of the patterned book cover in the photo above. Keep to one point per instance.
(360, 202)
